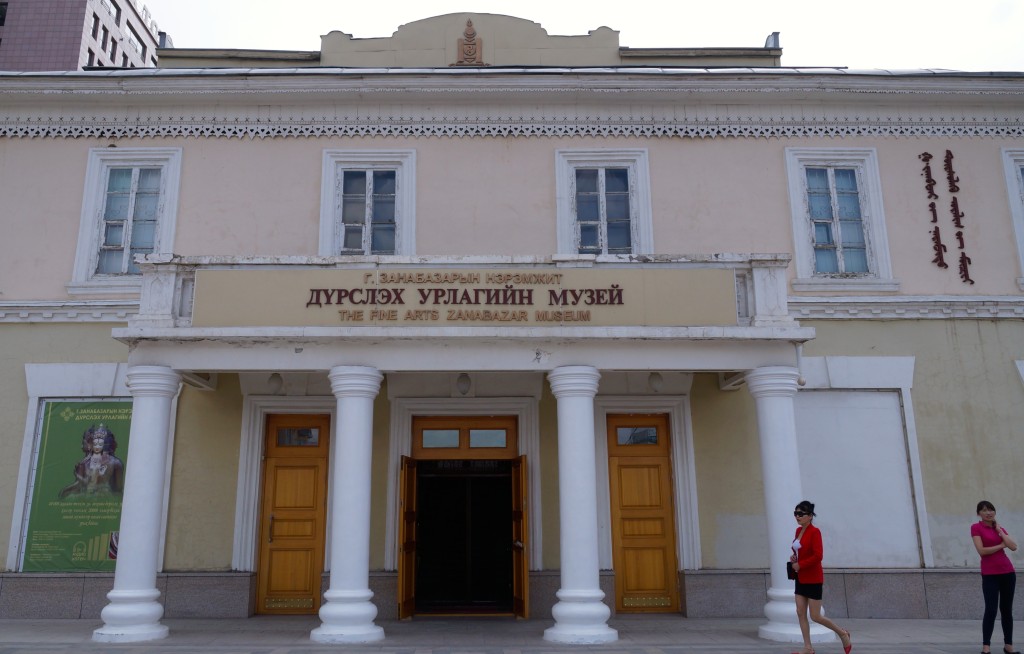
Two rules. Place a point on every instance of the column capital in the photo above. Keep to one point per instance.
(153, 381)
(574, 381)
(773, 381)
(355, 381)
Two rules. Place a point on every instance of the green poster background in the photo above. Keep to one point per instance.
(76, 498)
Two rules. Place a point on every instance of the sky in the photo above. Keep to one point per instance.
(967, 35)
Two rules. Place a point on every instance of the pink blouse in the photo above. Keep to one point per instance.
(996, 563)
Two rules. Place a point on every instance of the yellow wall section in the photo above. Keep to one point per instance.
(201, 511)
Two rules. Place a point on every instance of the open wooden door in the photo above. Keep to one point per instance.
(520, 560)
(407, 539)
(643, 518)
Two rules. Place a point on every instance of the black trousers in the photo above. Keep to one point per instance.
(998, 592)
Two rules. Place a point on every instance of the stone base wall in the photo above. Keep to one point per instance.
(898, 594)
(935, 594)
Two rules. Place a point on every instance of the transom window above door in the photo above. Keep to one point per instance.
(465, 437)
(368, 204)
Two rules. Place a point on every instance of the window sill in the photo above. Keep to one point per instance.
(129, 285)
(851, 284)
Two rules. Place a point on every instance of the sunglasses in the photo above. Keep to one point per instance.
(799, 514)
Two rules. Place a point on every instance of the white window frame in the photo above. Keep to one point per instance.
(1013, 161)
(869, 186)
(84, 279)
(636, 161)
(403, 162)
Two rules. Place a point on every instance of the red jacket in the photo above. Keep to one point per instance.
(809, 556)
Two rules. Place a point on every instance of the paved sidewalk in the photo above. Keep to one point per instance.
(637, 635)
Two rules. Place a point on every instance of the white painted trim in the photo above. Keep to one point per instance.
(636, 160)
(403, 409)
(877, 373)
(90, 228)
(402, 161)
(865, 161)
(255, 409)
(906, 307)
(80, 381)
(1013, 161)
(688, 551)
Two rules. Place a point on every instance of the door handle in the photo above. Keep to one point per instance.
(270, 531)
(517, 544)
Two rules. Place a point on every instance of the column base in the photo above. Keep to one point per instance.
(132, 616)
(783, 625)
(347, 617)
(581, 618)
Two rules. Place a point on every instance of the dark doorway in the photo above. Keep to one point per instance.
(464, 527)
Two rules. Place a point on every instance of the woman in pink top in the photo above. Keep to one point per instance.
(998, 578)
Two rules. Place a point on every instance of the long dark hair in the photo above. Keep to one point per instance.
(808, 508)
(985, 504)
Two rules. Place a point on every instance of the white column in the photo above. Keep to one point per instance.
(773, 389)
(134, 613)
(580, 615)
(347, 614)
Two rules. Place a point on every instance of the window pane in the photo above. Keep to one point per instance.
(846, 180)
(855, 260)
(120, 180)
(353, 211)
(291, 437)
(852, 232)
(440, 438)
(110, 262)
(586, 180)
(618, 206)
(619, 238)
(825, 261)
(146, 206)
(849, 205)
(588, 236)
(353, 239)
(117, 207)
(383, 209)
(616, 180)
(817, 179)
(384, 182)
(819, 205)
(383, 239)
(588, 208)
(143, 234)
(113, 234)
(149, 180)
(636, 435)
(822, 233)
(354, 182)
(487, 438)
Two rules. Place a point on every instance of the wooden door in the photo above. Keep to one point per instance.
(407, 539)
(520, 561)
(643, 518)
(293, 514)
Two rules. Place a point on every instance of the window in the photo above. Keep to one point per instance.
(92, 58)
(1013, 163)
(113, 50)
(104, 39)
(95, 26)
(3, 13)
(135, 42)
(838, 223)
(129, 208)
(603, 202)
(368, 202)
(116, 13)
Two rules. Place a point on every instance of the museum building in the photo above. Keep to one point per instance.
(478, 320)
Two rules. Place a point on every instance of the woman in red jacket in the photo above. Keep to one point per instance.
(806, 558)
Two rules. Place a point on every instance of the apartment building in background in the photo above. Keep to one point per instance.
(43, 35)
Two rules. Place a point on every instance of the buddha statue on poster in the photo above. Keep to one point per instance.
(99, 472)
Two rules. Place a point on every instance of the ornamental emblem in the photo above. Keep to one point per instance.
(470, 48)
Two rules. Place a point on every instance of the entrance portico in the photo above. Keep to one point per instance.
(356, 358)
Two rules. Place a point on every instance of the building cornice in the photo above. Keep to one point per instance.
(88, 311)
(924, 307)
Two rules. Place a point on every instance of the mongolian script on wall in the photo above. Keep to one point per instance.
(939, 249)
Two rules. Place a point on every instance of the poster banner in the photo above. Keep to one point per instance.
(75, 513)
